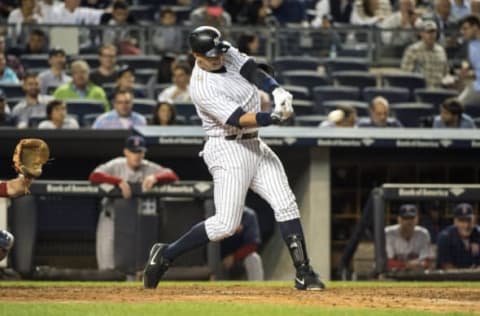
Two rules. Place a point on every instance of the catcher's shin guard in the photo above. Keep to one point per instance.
(306, 278)
(155, 267)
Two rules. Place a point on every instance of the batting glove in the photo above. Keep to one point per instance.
(283, 102)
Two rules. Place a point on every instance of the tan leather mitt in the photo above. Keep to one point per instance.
(29, 157)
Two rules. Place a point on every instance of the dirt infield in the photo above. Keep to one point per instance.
(445, 299)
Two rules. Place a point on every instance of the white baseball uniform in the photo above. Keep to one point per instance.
(239, 164)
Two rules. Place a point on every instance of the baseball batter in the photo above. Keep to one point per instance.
(224, 88)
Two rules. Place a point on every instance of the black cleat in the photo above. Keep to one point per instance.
(307, 279)
(155, 267)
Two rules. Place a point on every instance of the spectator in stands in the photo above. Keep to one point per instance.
(370, 12)
(289, 11)
(36, 44)
(241, 248)
(12, 61)
(81, 87)
(70, 12)
(25, 13)
(460, 9)
(458, 245)
(470, 27)
(178, 92)
(210, 13)
(34, 105)
(126, 82)
(475, 7)
(122, 116)
(379, 110)
(407, 244)
(442, 17)
(5, 117)
(121, 172)
(167, 37)
(121, 33)
(58, 117)
(248, 43)
(106, 71)
(427, 57)
(56, 75)
(452, 116)
(340, 10)
(6, 7)
(164, 114)
(7, 75)
(404, 21)
(45, 9)
(342, 116)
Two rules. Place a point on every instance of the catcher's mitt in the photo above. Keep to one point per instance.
(29, 157)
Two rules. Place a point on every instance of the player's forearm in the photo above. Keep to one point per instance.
(100, 177)
(166, 175)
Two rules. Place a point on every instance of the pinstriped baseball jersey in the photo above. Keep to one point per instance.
(217, 95)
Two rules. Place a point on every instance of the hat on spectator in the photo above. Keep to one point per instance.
(408, 210)
(463, 211)
(136, 144)
(123, 69)
(55, 51)
(428, 25)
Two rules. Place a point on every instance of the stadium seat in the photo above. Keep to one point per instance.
(328, 93)
(144, 106)
(303, 107)
(286, 63)
(145, 76)
(142, 12)
(34, 121)
(309, 120)
(12, 90)
(346, 64)
(298, 92)
(409, 81)
(361, 107)
(138, 62)
(34, 61)
(434, 96)
(159, 87)
(187, 110)
(360, 79)
(89, 118)
(392, 94)
(411, 114)
(473, 110)
(81, 107)
(91, 59)
(305, 78)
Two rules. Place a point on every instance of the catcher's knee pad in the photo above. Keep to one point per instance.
(6, 243)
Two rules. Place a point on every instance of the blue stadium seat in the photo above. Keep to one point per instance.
(144, 106)
(12, 90)
(142, 12)
(409, 81)
(434, 96)
(309, 120)
(34, 121)
(138, 62)
(361, 107)
(328, 93)
(346, 64)
(34, 61)
(286, 63)
(88, 119)
(360, 79)
(159, 87)
(82, 107)
(305, 78)
(91, 59)
(145, 76)
(473, 110)
(303, 107)
(298, 92)
(392, 94)
(411, 114)
(187, 110)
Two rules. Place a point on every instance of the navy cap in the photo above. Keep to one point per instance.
(407, 210)
(136, 144)
(463, 211)
(123, 69)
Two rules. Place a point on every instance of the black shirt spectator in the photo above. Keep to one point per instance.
(106, 72)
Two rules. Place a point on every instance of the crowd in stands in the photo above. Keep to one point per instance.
(436, 82)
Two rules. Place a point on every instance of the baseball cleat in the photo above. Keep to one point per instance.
(307, 279)
(155, 267)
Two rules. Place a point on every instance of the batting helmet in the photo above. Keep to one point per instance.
(207, 41)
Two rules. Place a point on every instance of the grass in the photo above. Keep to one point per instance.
(183, 309)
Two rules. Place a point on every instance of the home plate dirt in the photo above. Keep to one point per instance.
(446, 299)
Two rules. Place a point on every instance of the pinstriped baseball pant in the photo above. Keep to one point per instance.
(236, 166)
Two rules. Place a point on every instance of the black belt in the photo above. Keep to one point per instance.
(242, 136)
